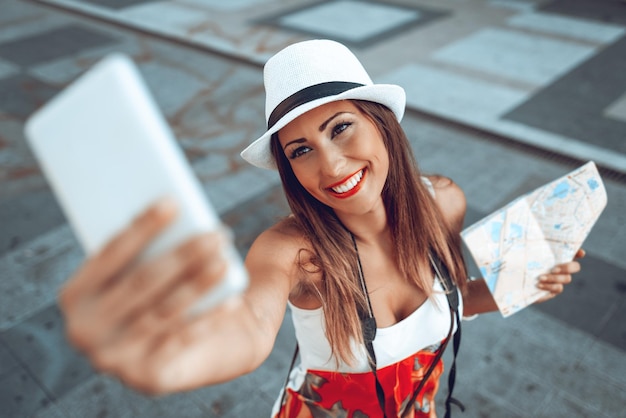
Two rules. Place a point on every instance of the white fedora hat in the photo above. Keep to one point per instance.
(309, 74)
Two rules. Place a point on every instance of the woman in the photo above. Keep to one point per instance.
(363, 243)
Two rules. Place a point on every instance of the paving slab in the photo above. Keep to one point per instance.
(202, 58)
(21, 395)
(39, 344)
(527, 45)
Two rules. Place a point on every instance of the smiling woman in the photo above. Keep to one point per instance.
(369, 262)
(338, 152)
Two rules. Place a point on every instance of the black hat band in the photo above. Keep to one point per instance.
(309, 94)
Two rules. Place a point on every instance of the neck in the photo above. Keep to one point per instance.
(370, 227)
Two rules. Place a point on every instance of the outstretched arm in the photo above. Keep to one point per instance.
(131, 318)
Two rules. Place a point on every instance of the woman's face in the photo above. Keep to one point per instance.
(338, 155)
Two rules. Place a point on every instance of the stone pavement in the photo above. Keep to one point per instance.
(503, 96)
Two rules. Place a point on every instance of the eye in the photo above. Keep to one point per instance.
(339, 128)
(298, 152)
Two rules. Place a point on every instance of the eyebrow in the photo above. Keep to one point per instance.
(321, 128)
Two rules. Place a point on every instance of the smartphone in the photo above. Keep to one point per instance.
(108, 153)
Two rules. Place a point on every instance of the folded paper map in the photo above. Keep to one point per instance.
(514, 245)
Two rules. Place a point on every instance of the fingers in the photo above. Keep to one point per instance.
(554, 282)
(580, 253)
(177, 302)
(119, 252)
(146, 299)
(197, 264)
(566, 268)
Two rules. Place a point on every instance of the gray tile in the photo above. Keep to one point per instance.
(7, 69)
(614, 332)
(517, 358)
(251, 218)
(519, 56)
(351, 20)
(591, 300)
(21, 218)
(573, 106)
(34, 273)
(518, 390)
(20, 395)
(173, 87)
(549, 350)
(222, 398)
(102, 396)
(608, 11)
(453, 95)
(171, 15)
(483, 405)
(116, 4)
(228, 192)
(7, 361)
(177, 405)
(607, 361)
(50, 411)
(525, 6)
(549, 353)
(228, 6)
(530, 183)
(540, 329)
(21, 94)
(40, 345)
(358, 23)
(563, 405)
(617, 109)
(567, 26)
(594, 391)
(255, 405)
(53, 44)
(16, 11)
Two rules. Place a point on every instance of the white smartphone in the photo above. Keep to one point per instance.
(108, 153)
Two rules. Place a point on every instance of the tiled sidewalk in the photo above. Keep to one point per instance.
(491, 64)
(565, 358)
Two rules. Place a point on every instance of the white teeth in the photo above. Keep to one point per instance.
(349, 184)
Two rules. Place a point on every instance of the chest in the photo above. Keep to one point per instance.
(393, 296)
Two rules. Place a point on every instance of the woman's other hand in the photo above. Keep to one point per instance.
(118, 310)
(560, 276)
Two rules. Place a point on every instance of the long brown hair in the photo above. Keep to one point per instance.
(416, 225)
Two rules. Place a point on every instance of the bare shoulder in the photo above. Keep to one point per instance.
(283, 235)
(276, 251)
(450, 199)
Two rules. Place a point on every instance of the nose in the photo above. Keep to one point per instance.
(332, 161)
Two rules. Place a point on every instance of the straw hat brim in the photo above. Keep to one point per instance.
(392, 96)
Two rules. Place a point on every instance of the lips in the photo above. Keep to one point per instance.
(348, 186)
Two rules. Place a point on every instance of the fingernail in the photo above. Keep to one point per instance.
(555, 270)
(543, 278)
(165, 205)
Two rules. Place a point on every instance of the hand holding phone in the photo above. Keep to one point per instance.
(108, 154)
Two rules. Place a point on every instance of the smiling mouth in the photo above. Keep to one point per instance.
(349, 184)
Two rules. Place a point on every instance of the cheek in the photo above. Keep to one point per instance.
(306, 179)
(380, 153)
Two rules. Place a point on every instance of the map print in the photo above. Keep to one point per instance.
(513, 246)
